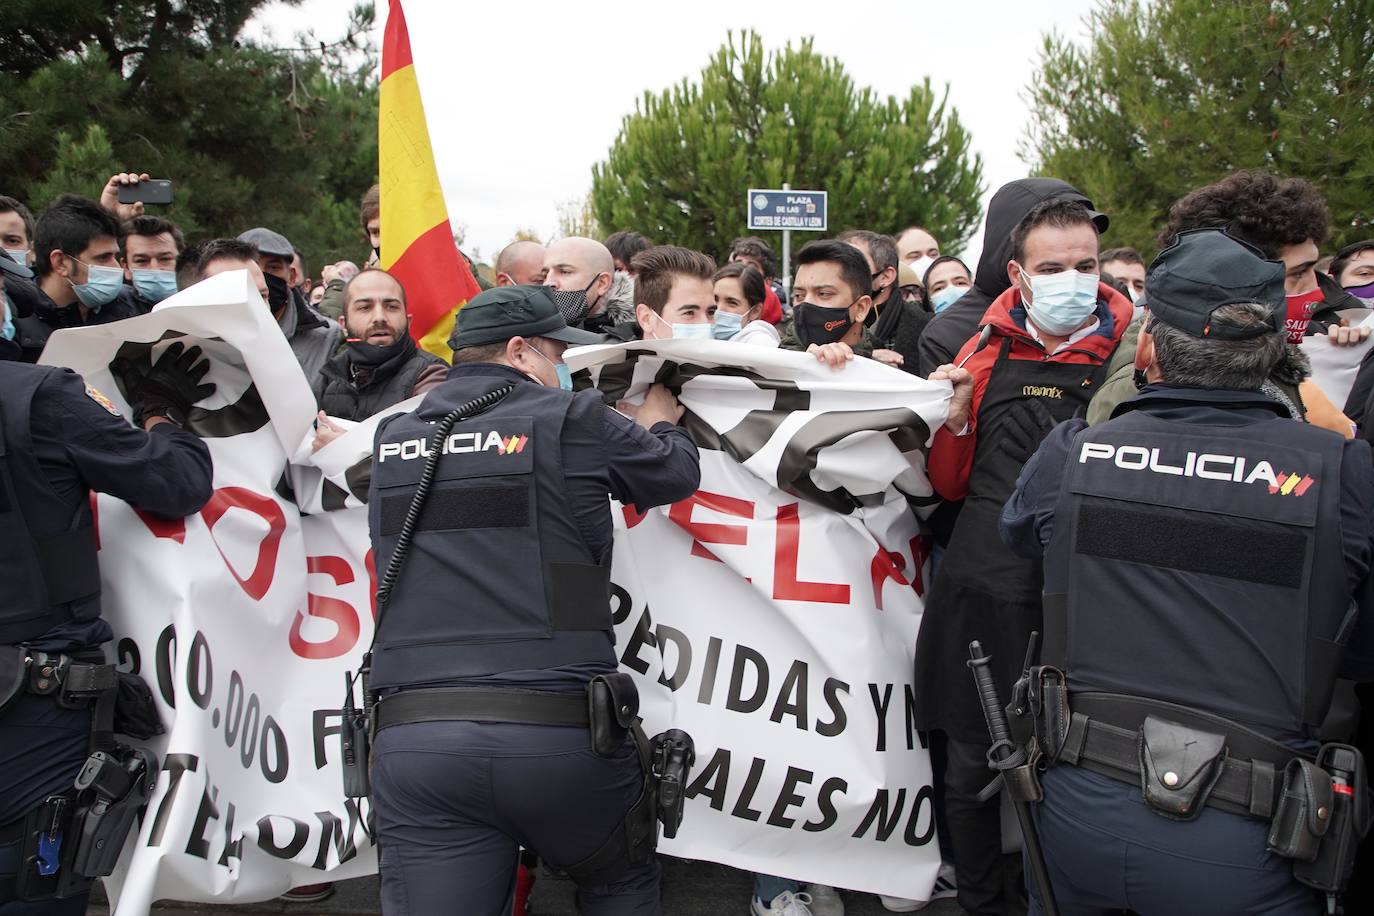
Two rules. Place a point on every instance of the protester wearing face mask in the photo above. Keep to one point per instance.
(525, 537)
(1128, 266)
(673, 295)
(379, 364)
(831, 297)
(1353, 269)
(151, 247)
(946, 281)
(895, 324)
(739, 292)
(581, 270)
(16, 231)
(1052, 333)
(313, 338)
(80, 281)
(11, 273)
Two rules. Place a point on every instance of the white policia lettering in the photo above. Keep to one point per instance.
(1209, 466)
(456, 444)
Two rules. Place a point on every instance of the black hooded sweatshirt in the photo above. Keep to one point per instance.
(951, 329)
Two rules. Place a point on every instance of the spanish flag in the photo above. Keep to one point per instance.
(417, 242)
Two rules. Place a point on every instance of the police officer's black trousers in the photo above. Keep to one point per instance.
(989, 881)
(42, 748)
(1107, 852)
(455, 801)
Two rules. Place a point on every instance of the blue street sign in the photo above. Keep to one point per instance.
(804, 210)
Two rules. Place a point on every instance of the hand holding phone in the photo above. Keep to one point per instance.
(146, 191)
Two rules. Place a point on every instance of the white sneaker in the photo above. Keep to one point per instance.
(825, 900)
(785, 904)
(944, 888)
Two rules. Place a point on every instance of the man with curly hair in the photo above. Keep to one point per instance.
(1287, 219)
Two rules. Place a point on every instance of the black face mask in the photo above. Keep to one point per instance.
(573, 304)
(370, 356)
(818, 324)
(278, 294)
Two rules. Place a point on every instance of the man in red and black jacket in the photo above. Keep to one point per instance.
(1048, 340)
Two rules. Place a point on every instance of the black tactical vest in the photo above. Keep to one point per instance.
(1202, 565)
(48, 563)
(499, 577)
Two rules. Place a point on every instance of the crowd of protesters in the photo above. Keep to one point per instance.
(1043, 301)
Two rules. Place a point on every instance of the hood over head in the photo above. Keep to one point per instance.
(1007, 208)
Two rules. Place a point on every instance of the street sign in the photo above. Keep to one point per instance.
(786, 209)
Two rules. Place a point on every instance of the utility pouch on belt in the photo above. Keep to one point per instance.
(355, 739)
(1304, 811)
(1049, 704)
(1179, 766)
(1347, 793)
(613, 709)
(135, 712)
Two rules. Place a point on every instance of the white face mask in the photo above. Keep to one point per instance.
(921, 265)
(1063, 301)
(686, 331)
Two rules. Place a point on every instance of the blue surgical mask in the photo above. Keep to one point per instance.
(560, 369)
(7, 329)
(946, 297)
(19, 255)
(101, 288)
(1063, 301)
(155, 285)
(726, 324)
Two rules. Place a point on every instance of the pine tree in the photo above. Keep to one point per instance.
(1168, 95)
(684, 160)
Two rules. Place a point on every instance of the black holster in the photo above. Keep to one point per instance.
(1322, 818)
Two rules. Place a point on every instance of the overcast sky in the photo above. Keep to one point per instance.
(522, 98)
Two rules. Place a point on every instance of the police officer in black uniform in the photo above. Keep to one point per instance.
(500, 618)
(60, 439)
(1205, 561)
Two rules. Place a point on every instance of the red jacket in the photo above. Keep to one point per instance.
(951, 457)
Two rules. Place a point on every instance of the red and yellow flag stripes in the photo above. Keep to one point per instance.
(417, 242)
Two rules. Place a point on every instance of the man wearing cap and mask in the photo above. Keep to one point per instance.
(1205, 559)
(80, 281)
(313, 337)
(379, 364)
(501, 606)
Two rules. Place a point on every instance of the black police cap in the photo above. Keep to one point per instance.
(503, 312)
(1205, 269)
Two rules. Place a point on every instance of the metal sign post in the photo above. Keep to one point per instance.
(785, 210)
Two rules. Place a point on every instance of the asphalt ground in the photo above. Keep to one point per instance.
(689, 889)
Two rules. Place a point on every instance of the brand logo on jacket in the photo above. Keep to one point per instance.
(1043, 391)
(1204, 465)
(456, 444)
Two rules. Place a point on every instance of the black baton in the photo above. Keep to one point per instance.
(1005, 755)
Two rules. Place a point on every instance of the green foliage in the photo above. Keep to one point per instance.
(249, 135)
(1168, 95)
(684, 160)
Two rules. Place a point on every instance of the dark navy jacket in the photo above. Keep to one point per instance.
(599, 452)
(66, 442)
(1028, 518)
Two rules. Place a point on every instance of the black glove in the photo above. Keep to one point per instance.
(1023, 428)
(166, 388)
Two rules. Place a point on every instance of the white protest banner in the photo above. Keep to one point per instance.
(1334, 368)
(773, 615)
